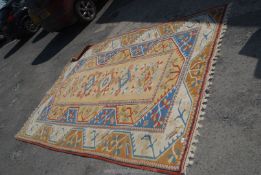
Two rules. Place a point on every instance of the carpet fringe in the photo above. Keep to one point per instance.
(206, 93)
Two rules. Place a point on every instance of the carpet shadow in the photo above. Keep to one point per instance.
(252, 49)
(253, 45)
(132, 13)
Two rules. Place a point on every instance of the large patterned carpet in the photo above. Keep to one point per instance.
(135, 99)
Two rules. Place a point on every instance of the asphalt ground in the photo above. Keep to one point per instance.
(231, 135)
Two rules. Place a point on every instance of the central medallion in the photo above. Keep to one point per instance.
(135, 81)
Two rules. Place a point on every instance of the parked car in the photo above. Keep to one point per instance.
(53, 15)
(15, 21)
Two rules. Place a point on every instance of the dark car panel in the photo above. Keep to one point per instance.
(53, 15)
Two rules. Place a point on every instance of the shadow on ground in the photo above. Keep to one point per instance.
(16, 47)
(228, 99)
(252, 48)
(116, 14)
(40, 35)
(2, 43)
(119, 11)
(63, 38)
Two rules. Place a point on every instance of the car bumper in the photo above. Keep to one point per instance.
(56, 24)
(53, 20)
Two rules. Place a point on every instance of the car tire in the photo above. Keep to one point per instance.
(29, 27)
(85, 10)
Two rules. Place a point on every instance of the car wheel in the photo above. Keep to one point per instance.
(29, 26)
(85, 10)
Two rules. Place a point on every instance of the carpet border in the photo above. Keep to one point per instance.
(141, 167)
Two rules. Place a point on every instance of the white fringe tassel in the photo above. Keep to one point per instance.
(210, 76)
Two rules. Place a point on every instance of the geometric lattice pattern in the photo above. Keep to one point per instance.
(133, 99)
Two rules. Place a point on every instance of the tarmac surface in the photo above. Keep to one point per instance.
(231, 135)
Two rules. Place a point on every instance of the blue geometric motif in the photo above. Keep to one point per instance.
(105, 117)
(186, 41)
(71, 115)
(142, 49)
(45, 112)
(124, 79)
(104, 58)
(136, 50)
(156, 117)
(80, 63)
